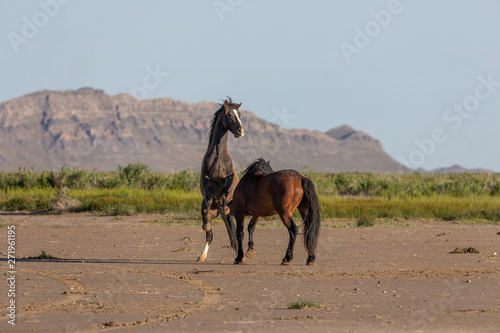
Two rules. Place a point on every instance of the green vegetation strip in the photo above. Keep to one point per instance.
(126, 201)
(363, 197)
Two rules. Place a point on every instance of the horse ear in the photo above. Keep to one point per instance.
(239, 105)
(226, 103)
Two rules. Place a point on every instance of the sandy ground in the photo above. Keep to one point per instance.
(129, 274)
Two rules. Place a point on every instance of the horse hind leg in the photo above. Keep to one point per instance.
(231, 230)
(240, 234)
(251, 228)
(292, 231)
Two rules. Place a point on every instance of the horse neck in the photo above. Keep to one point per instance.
(219, 139)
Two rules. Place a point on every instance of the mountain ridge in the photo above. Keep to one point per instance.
(88, 128)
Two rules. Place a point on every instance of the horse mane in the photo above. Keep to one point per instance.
(259, 164)
(216, 116)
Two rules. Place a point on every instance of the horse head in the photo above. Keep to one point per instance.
(259, 165)
(231, 120)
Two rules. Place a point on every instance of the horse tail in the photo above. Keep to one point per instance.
(231, 229)
(312, 217)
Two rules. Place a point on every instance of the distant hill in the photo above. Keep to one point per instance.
(459, 169)
(87, 128)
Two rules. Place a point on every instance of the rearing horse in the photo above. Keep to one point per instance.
(218, 178)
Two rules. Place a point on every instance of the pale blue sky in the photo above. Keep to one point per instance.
(283, 55)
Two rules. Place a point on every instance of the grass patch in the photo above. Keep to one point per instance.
(466, 250)
(44, 255)
(395, 223)
(183, 249)
(337, 225)
(304, 305)
(124, 210)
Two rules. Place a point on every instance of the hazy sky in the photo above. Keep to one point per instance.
(423, 77)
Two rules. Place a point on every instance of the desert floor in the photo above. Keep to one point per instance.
(133, 274)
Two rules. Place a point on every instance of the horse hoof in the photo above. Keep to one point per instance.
(250, 253)
(239, 261)
(285, 263)
(201, 259)
(310, 262)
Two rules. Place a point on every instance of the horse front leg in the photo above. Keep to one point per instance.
(207, 215)
(204, 254)
(251, 228)
(206, 204)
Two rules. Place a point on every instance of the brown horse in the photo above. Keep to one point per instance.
(263, 192)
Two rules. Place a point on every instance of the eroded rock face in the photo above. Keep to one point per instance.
(87, 128)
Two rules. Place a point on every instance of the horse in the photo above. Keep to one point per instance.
(263, 192)
(218, 178)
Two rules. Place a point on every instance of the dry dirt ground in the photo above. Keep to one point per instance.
(130, 274)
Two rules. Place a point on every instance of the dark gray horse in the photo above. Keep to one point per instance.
(218, 177)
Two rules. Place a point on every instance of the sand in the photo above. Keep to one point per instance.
(130, 274)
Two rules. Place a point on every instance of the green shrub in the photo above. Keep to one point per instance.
(365, 221)
(20, 203)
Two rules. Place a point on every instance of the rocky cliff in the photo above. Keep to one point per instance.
(87, 128)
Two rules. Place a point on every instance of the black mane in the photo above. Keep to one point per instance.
(259, 164)
(216, 116)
